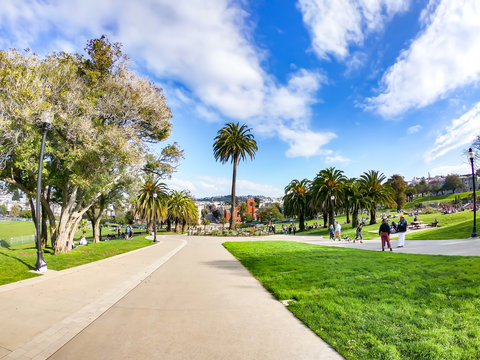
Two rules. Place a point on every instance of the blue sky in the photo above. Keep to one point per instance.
(388, 85)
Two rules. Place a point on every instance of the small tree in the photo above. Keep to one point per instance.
(15, 210)
(3, 209)
(453, 183)
(223, 221)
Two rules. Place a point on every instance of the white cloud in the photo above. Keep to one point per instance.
(414, 129)
(462, 132)
(444, 57)
(336, 25)
(204, 45)
(208, 186)
(337, 158)
(451, 169)
(178, 184)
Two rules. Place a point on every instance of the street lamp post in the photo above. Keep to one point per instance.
(332, 198)
(155, 218)
(41, 265)
(471, 155)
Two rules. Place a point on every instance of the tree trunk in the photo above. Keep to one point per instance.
(354, 217)
(373, 216)
(348, 214)
(169, 225)
(301, 220)
(325, 218)
(234, 180)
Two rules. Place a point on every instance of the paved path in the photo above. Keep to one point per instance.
(463, 247)
(185, 298)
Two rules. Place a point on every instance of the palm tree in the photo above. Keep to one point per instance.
(357, 201)
(181, 209)
(375, 192)
(326, 188)
(234, 143)
(146, 203)
(296, 200)
(243, 210)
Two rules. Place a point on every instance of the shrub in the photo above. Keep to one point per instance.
(428, 210)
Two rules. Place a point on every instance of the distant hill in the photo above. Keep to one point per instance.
(224, 198)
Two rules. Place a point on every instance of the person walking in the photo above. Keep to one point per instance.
(338, 231)
(384, 233)
(294, 229)
(331, 231)
(358, 233)
(401, 229)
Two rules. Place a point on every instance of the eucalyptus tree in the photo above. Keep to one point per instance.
(398, 185)
(296, 200)
(104, 118)
(327, 184)
(234, 143)
(376, 193)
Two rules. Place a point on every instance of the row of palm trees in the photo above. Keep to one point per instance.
(156, 203)
(332, 192)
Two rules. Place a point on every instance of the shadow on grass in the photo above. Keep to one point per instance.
(18, 259)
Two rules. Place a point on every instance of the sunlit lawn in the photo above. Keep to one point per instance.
(375, 305)
(16, 261)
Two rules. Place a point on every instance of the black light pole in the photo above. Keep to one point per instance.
(471, 155)
(155, 218)
(333, 210)
(41, 265)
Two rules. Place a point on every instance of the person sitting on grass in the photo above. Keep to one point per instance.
(83, 241)
(384, 233)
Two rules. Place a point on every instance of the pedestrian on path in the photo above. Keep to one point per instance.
(331, 231)
(401, 229)
(358, 233)
(338, 231)
(384, 233)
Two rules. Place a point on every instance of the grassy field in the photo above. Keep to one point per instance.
(16, 261)
(373, 305)
(433, 200)
(452, 226)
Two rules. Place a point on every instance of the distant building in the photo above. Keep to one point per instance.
(251, 211)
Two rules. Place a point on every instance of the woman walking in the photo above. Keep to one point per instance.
(384, 233)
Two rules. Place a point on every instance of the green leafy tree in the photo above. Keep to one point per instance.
(376, 193)
(397, 183)
(104, 115)
(223, 221)
(357, 200)
(296, 200)
(182, 209)
(15, 210)
(234, 143)
(26, 214)
(422, 187)
(270, 213)
(243, 211)
(3, 210)
(410, 192)
(453, 183)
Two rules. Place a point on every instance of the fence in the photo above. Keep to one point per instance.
(17, 240)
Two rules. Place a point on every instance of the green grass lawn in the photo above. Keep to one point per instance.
(16, 261)
(429, 200)
(374, 305)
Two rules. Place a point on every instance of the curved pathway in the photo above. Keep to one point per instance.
(185, 298)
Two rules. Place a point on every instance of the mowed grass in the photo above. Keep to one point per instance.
(9, 229)
(374, 305)
(429, 200)
(16, 261)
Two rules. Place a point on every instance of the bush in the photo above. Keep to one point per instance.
(27, 214)
(428, 210)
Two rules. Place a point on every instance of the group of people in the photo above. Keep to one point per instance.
(289, 229)
(385, 230)
(128, 232)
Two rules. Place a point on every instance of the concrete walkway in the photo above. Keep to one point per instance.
(185, 298)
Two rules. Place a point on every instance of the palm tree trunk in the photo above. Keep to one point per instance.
(234, 180)
(348, 214)
(373, 216)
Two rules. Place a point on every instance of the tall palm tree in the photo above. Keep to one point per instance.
(328, 182)
(357, 201)
(146, 203)
(376, 192)
(180, 209)
(296, 200)
(234, 143)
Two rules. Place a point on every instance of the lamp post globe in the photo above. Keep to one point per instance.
(471, 156)
(41, 265)
(155, 217)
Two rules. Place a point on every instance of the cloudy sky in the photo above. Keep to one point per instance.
(388, 85)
